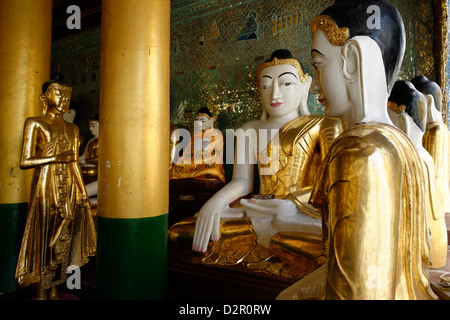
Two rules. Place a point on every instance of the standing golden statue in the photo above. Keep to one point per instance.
(60, 230)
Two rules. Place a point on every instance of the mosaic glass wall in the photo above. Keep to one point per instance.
(215, 48)
(77, 58)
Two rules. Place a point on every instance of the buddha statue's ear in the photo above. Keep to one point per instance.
(43, 99)
(364, 71)
(423, 112)
(305, 93)
(351, 68)
(430, 101)
(403, 123)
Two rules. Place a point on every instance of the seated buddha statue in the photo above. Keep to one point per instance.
(436, 139)
(196, 168)
(370, 188)
(202, 158)
(408, 111)
(288, 150)
(89, 161)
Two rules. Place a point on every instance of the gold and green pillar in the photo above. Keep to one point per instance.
(25, 49)
(133, 180)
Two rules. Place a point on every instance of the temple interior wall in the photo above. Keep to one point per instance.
(215, 48)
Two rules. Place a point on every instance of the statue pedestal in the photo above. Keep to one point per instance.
(187, 196)
(191, 281)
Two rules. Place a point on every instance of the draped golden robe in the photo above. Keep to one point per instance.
(60, 230)
(302, 144)
(435, 214)
(372, 199)
(204, 163)
(436, 141)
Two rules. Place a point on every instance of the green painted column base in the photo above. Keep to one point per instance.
(12, 224)
(132, 258)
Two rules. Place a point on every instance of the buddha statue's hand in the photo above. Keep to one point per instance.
(65, 157)
(269, 207)
(207, 225)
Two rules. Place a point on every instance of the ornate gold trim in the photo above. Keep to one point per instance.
(277, 62)
(395, 107)
(336, 36)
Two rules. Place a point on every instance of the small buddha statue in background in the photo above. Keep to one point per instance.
(288, 150)
(60, 230)
(370, 188)
(202, 158)
(436, 139)
(89, 161)
(408, 111)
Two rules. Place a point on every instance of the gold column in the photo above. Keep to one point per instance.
(134, 109)
(133, 192)
(25, 46)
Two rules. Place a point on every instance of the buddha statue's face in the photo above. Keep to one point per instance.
(94, 127)
(328, 80)
(203, 122)
(281, 89)
(58, 97)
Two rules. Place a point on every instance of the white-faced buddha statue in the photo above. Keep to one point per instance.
(370, 188)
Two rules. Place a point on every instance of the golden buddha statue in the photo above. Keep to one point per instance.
(89, 158)
(59, 231)
(436, 139)
(370, 189)
(288, 149)
(408, 111)
(202, 158)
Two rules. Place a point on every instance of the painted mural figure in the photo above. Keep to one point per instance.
(371, 186)
(59, 231)
(251, 26)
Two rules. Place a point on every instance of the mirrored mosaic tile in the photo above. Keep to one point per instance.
(215, 52)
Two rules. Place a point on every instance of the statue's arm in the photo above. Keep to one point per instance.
(436, 141)
(29, 159)
(363, 206)
(208, 218)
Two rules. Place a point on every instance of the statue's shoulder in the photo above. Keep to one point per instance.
(373, 141)
(254, 125)
(437, 127)
(38, 121)
(71, 126)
